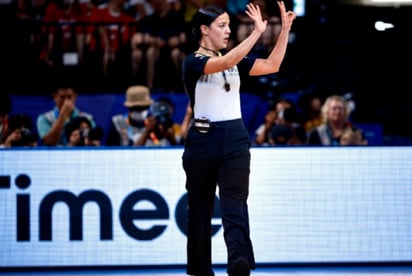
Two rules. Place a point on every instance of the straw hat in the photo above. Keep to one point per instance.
(138, 95)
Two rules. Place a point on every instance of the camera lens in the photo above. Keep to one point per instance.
(25, 132)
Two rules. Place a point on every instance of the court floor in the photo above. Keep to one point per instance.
(376, 270)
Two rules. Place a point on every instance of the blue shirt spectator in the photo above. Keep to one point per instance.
(50, 124)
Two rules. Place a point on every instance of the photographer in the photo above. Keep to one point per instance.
(20, 132)
(159, 126)
(145, 123)
(126, 128)
(79, 132)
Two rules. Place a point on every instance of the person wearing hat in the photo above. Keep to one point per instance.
(139, 126)
(126, 128)
(146, 123)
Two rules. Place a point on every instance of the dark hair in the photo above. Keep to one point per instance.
(20, 120)
(23, 122)
(281, 134)
(75, 124)
(96, 133)
(204, 16)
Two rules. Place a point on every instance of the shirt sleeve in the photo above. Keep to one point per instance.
(43, 126)
(192, 70)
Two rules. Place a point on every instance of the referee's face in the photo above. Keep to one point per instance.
(219, 31)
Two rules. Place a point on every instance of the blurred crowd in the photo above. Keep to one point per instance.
(146, 122)
(141, 44)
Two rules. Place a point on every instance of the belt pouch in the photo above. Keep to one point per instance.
(202, 124)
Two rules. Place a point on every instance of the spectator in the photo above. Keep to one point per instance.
(28, 9)
(64, 38)
(75, 130)
(335, 112)
(263, 132)
(50, 125)
(353, 136)
(175, 125)
(27, 31)
(287, 130)
(95, 137)
(5, 109)
(79, 132)
(159, 43)
(312, 115)
(160, 130)
(126, 128)
(139, 9)
(111, 42)
(21, 132)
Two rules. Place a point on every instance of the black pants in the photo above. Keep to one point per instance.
(220, 157)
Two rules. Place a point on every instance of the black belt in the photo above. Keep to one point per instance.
(203, 124)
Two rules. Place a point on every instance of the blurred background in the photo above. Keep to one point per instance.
(359, 49)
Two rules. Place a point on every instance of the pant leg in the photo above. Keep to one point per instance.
(233, 192)
(200, 165)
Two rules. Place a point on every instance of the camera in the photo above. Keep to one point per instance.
(93, 135)
(84, 133)
(22, 122)
(162, 112)
(27, 137)
(25, 132)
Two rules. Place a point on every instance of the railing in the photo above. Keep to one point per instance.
(83, 38)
